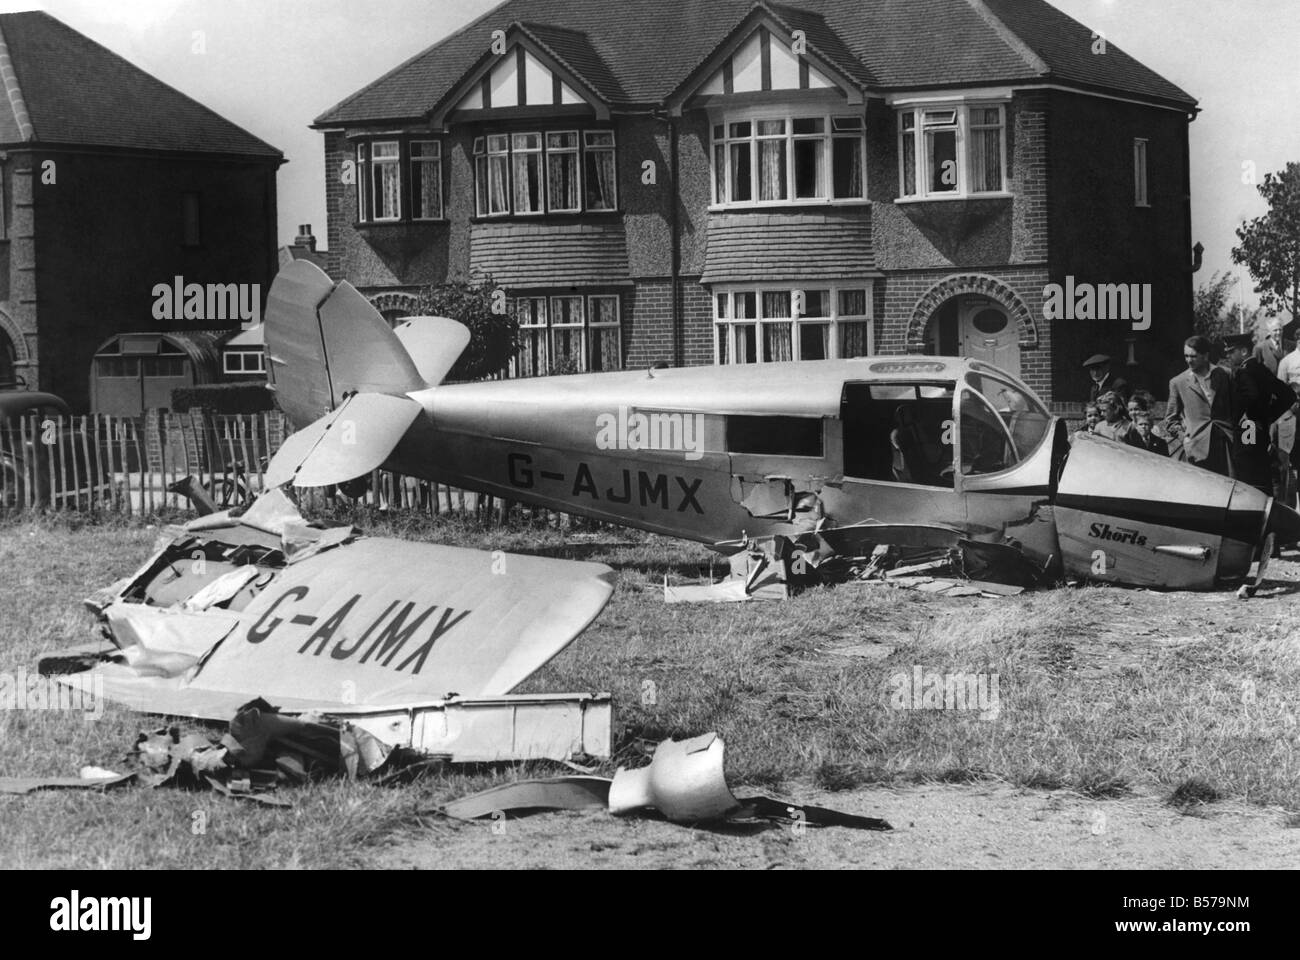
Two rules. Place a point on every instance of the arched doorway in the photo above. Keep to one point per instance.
(973, 316)
(8, 363)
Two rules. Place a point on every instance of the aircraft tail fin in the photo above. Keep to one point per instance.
(324, 340)
(329, 349)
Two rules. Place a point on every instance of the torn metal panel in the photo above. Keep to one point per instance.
(554, 793)
(21, 785)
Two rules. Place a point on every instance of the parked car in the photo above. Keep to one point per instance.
(25, 458)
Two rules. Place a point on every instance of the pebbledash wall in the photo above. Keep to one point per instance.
(1070, 212)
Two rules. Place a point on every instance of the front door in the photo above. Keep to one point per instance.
(986, 332)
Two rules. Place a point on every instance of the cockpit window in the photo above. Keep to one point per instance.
(986, 445)
(1026, 419)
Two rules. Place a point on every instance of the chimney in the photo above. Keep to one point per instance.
(305, 238)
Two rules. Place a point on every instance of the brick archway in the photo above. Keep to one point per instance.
(970, 284)
(407, 303)
(16, 339)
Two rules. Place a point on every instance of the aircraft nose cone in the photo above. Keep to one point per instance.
(1284, 523)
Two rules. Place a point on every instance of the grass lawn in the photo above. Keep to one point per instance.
(1101, 691)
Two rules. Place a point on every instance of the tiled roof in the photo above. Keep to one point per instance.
(77, 92)
(639, 52)
(521, 255)
(824, 245)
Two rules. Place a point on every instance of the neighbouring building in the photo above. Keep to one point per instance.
(113, 184)
(734, 182)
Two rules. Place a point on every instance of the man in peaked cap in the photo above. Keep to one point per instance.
(1258, 399)
(1103, 381)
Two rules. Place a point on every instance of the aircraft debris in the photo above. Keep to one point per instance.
(418, 644)
(683, 781)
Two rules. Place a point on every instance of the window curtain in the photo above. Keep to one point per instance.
(527, 183)
(848, 167)
(986, 159)
(391, 190)
(605, 354)
(600, 179)
(777, 341)
(430, 186)
(853, 340)
(814, 341)
(498, 184)
(771, 166)
(563, 180)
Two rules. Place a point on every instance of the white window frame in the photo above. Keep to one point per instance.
(788, 114)
(483, 152)
(725, 321)
(584, 326)
(963, 127)
(1141, 185)
(416, 166)
(375, 175)
(244, 356)
(575, 152)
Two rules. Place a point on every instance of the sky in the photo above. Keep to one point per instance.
(272, 66)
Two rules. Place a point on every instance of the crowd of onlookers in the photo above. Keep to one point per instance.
(1236, 416)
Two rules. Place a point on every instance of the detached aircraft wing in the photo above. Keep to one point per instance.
(368, 625)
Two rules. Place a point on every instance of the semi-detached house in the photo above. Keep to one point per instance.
(738, 182)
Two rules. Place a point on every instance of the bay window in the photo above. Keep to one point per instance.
(399, 180)
(952, 151)
(788, 159)
(774, 324)
(527, 174)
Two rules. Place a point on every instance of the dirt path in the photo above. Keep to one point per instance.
(935, 827)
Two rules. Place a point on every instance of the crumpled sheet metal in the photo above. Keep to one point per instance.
(684, 781)
(555, 793)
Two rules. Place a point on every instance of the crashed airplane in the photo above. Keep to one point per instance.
(823, 458)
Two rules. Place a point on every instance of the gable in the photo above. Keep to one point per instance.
(764, 63)
(518, 78)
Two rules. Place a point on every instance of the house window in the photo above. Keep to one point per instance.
(190, 234)
(426, 180)
(1140, 196)
(244, 361)
(952, 151)
(562, 172)
(554, 172)
(379, 181)
(602, 191)
(568, 334)
(788, 159)
(813, 323)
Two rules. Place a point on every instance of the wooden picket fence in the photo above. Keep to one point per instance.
(137, 465)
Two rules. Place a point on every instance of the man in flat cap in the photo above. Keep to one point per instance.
(1103, 381)
(1200, 408)
(1258, 399)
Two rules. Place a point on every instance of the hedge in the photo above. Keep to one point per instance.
(247, 397)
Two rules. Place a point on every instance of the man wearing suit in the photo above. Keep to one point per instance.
(1200, 404)
(1258, 399)
(1103, 381)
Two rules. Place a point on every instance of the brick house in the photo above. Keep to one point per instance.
(113, 183)
(733, 181)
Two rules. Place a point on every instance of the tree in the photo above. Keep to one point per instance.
(494, 332)
(1270, 245)
(1210, 317)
